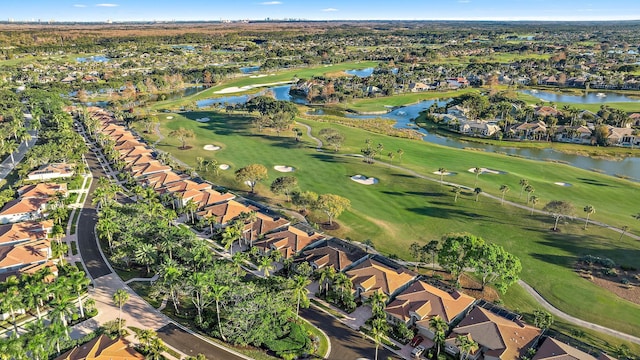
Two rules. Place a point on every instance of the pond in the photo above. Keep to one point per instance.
(278, 92)
(366, 72)
(405, 115)
(96, 58)
(249, 69)
(591, 97)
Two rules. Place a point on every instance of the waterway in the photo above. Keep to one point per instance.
(592, 97)
(405, 115)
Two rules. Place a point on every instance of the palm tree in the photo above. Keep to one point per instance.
(120, 297)
(441, 171)
(456, 190)
(61, 309)
(477, 171)
(624, 231)
(35, 296)
(55, 332)
(529, 189)
(327, 275)
(379, 329)
(145, 254)
(466, 346)
(343, 283)
(589, 210)
(377, 302)
(218, 291)
(229, 236)
(189, 208)
(504, 189)
(439, 327)
(477, 191)
(300, 291)
(79, 282)
(534, 200)
(11, 301)
(145, 337)
(523, 184)
(265, 264)
(156, 348)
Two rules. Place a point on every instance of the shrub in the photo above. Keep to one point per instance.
(611, 272)
(625, 281)
(602, 261)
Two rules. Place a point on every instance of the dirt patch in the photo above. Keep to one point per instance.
(185, 148)
(623, 283)
(327, 226)
(473, 287)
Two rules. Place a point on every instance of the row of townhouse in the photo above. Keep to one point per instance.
(411, 299)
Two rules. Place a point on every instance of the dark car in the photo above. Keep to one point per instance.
(416, 340)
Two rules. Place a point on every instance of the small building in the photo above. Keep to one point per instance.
(15, 257)
(43, 190)
(334, 253)
(372, 275)
(289, 241)
(52, 171)
(497, 337)
(421, 302)
(11, 234)
(23, 209)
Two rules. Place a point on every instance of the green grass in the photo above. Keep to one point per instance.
(404, 208)
(278, 76)
(323, 347)
(74, 248)
(74, 223)
(382, 104)
(143, 288)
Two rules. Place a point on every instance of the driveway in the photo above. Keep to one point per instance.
(192, 345)
(346, 343)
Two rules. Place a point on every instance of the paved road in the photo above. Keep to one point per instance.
(191, 345)
(95, 263)
(346, 343)
(575, 320)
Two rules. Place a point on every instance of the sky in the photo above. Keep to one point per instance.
(185, 10)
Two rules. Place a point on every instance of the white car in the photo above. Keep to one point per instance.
(417, 351)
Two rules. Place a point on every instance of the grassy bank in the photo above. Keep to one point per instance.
(403, 208)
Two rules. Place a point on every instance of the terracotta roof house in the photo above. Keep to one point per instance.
(52, 171)
(11, 234)
(622, 136)
(127, 144)
(420, 302)
(372, 275)
(136, 151)
(263, 224)
(288, 242)
(151, 167)
(161, 179)
(553, 349)
(14, 257)
(575, 134)
(184, 190)
(332, 253)
(42, 190)
(224, 212)
(34, 268)
(546, 111)
(635, 119)
(497, 337)
(207, 197)
(23, 209)
(103, 348)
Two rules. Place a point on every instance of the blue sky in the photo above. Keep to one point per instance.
(127, 10)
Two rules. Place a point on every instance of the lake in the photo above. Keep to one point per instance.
(97, 58)
(366, 72)
(593, 97)
(249, 69)
(279, 93)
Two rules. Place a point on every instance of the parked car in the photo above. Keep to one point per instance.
(416, 340)
(418, 351)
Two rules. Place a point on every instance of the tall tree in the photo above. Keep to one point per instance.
(332, 205)
(477, 191)
(439, 327)
(458, 252)
(534, 201)
(466, 346)
(218, 291)
(523, 184)
(558, 209)
(120, 297)
(456, 190)
(589, 209)
(183, 135)
(504, 189)
(284, 185)
(251, 174)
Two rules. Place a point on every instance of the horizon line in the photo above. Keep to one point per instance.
(112, 21)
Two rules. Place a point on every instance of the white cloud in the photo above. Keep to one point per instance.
(329, 9)
(79, 5)
(271, 3)
(107, 5)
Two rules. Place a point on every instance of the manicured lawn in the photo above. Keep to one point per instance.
(382, 104)
(625, 106)
(403, 208)
(277, 76)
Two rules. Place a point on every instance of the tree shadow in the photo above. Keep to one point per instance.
(444, 213)
(594, 182)
(327, 158)
(425, 193)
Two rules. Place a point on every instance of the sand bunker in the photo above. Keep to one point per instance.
(283, 168)
(257, 76)
(211, 147)
(361, 179)
(203, 120)
(169, 117)
(487, 171)
(224, 167)
(235, 89)
(445, 173)
(562, 184)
